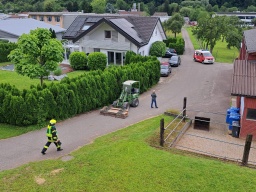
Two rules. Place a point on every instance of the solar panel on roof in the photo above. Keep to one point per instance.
(127, 27)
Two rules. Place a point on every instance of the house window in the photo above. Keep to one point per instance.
(33, 17)
(251, 114)
(49, 18)
(107, 34)
(41, 18)
(96, 50)
(57, 18)
(156, 32)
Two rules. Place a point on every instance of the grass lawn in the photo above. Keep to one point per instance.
(7, 131)
(170, 34)
(24, 82)
(220, 52)
(125, 161)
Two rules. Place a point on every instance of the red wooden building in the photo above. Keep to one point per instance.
(244, 84)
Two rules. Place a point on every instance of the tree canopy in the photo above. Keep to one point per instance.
(37, 54)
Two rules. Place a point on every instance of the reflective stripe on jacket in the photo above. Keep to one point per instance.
(49, 131)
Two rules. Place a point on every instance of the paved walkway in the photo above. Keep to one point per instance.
(192, 80)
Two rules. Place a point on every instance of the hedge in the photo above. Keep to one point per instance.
(89, 91)
(176, 43)
(5, 49)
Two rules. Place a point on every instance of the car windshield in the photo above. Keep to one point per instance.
(207, 54)
(164, 66)
(174, 58)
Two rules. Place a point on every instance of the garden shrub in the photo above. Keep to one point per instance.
(78, 60)
(97, 60)
(128, 56)
(5, 49)
(176, 43)
(157, 49)
(58, 71)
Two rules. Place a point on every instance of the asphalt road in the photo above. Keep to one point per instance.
(207, 87)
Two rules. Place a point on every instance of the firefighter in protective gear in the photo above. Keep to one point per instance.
(52, 136)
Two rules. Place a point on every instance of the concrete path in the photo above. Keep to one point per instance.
(205, 86)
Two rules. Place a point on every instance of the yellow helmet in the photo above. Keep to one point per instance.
(53, 121)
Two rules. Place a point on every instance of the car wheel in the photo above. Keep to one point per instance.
(202, 61)
(194, 59)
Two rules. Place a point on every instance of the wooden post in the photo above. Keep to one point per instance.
(184, 108)
(247, 148)
(162, 132)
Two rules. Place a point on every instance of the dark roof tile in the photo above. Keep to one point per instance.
(244, 78)
(250, 40)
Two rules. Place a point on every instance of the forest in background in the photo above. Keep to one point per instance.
(112, 6)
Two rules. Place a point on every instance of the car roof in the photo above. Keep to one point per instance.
(202, 50)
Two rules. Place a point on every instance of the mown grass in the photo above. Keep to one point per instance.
(170, 34)
(24, 82)
(124, 161)
(7, 131)
(221, 53)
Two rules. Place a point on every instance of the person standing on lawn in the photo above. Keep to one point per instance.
(52, 136)
(153, 99)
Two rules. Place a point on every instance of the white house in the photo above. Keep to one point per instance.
(12, 29)
(114, 35)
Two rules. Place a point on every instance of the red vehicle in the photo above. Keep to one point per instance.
(203, 56)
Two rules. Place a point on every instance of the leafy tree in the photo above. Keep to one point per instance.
(98, 6)
(174, 24)
(49, 5)
(157, 49)
(110, 8)
(37, 54)
(86, 6)
(185, 11)
(122, 5)
(97, 60)
(174, 8)
(251, 8)
(234, 39)
(254, 21)
(151, 7)
(53, 34)
(209, 31)
(78, 60)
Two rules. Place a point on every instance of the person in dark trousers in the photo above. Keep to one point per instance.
(153, 101)
(52, 136)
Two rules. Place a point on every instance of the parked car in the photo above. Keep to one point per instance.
(203, 56)
(165, 69)
(169, 54)
(175, 61)
(171, 50)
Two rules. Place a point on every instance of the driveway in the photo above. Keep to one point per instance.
(205, 86)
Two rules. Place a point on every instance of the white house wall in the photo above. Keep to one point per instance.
(96, 39)
(156, 36)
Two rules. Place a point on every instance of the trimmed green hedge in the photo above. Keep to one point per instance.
(89, 91)
(5, 49)
(176, 43)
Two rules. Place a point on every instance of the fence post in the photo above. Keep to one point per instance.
(184, 108)
(162, 132)
(247, 148)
